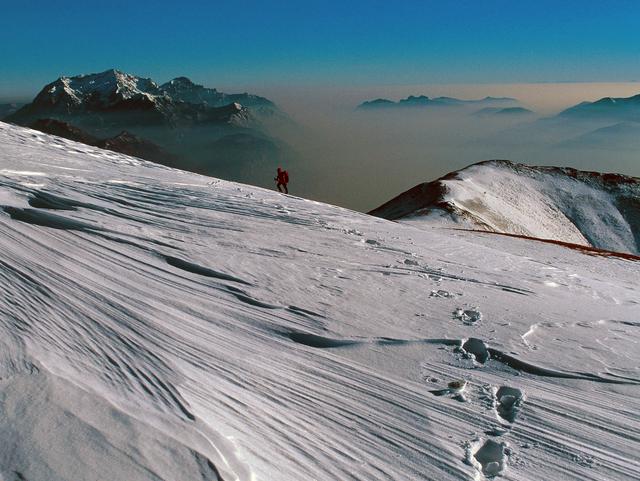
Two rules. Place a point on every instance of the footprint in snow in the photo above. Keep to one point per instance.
(490, 458)
(475, 349)
(441, 293)
(468, 316)
(508, 401)
(355, 232)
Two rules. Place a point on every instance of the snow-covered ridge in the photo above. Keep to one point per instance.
(110, 82)
(112, 85)
(587, 208)
(184, 90)
(157, 324)
(100, 90)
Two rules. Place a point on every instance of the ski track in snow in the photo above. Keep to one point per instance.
(170, 327)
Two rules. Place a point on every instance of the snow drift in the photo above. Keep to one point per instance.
(564, 204)
(160, 325)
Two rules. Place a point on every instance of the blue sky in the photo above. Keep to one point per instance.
(349, 42)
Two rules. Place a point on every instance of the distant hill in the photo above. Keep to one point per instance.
(377, 104)
(568, 205)
(620, 136)
(503, 112)
(8, 109)
(607, 108)
(423, 101)
(175, 120)
(130, 144)
(125, 142)
(63, 129)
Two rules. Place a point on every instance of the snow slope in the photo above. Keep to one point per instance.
(568, 205)
(160, 325)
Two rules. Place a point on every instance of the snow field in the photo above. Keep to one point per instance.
(157, 324)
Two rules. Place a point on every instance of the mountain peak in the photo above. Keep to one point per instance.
(102, 89)
(416, 100)
(181, 82)
(112, 96)
(109, 79)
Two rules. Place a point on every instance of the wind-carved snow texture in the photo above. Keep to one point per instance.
(156, 324)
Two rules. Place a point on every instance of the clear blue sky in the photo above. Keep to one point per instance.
(350, 42)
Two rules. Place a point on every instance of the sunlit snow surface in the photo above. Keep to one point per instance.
(549, 203)
(156, 324)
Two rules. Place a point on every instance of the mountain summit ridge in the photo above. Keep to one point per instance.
(559, 203)
(97, 91)
(114, 91)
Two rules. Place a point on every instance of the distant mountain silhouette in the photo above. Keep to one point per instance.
(423, 101)
(8, 109)
(620, 136)
(607, 108)
(127, 143)
(63, 129)
(503, 112)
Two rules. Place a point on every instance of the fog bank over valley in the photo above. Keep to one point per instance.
(360, 159)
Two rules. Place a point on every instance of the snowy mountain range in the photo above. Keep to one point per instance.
(184, 90)
(424, 101)
(158, 324)
(562, 204)
(179, 117)
(110, 94)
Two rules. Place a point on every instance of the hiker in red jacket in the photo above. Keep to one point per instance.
(282, 179)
